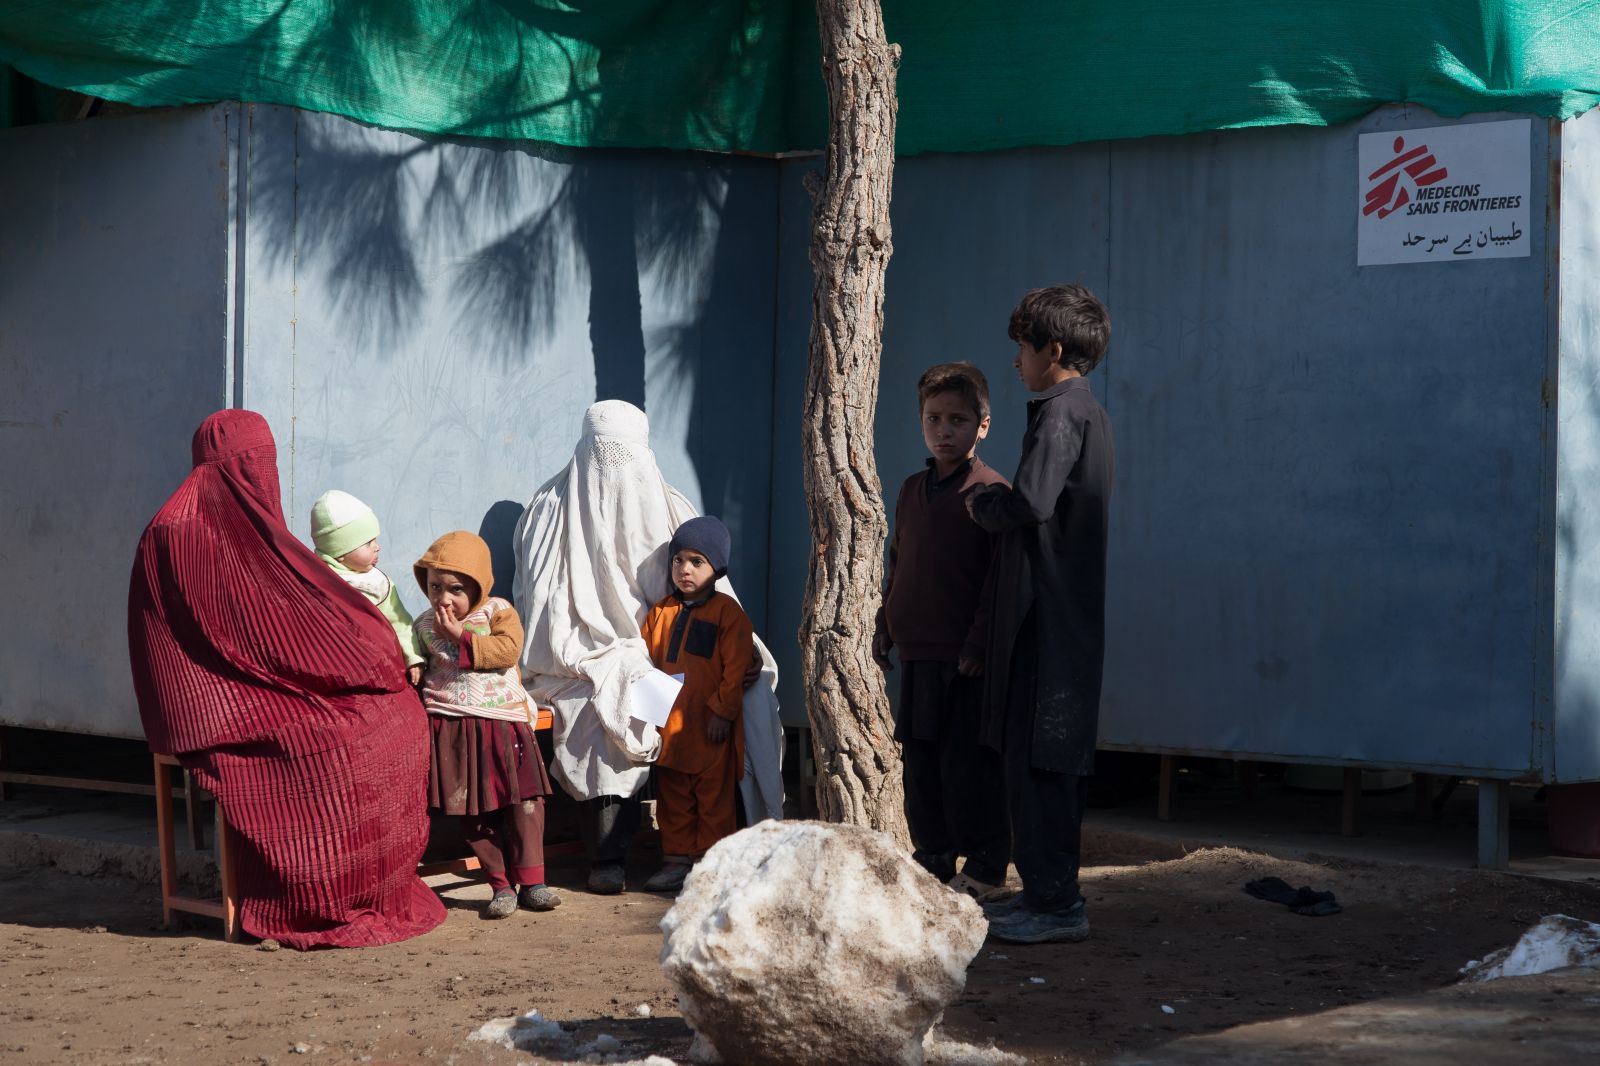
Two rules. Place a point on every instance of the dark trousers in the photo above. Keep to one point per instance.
(955, 792)
(509, 842)
(608, 824)
(1046, 808)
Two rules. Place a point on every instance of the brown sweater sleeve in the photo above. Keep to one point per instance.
(736, 645)
(502, 647)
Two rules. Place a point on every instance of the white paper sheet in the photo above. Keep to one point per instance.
(651, 696)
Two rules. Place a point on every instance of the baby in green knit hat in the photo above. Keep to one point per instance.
(345, 532)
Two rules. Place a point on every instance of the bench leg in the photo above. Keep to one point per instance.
(191, 810)
(164, 843)
(230, 896)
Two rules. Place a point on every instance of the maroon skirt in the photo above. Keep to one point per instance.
(478, 765)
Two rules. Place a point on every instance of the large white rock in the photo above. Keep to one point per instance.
(800, 943)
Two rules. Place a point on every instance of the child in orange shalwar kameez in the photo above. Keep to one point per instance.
(706, 636)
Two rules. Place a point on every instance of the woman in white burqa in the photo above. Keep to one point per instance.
(591, 554)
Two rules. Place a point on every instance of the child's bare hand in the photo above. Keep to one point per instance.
(969, 667)
(448, 623)
(718, 729)
(970, 500)
(752, 673)
(414, 674)
(880, 650)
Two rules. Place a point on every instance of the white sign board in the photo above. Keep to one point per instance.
(1444, 194)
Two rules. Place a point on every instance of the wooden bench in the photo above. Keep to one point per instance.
(227, 906)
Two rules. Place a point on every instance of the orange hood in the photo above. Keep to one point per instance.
(464, 553)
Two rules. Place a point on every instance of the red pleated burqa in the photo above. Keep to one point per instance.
(283, 690)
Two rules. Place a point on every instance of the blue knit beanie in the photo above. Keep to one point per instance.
(706, 535)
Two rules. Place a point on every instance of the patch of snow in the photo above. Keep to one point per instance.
(940, 1050)
(535, 1033)
(1168, 1010)
(643, 1010)
(525, 1032)
(1556, 942)
(494, 1031)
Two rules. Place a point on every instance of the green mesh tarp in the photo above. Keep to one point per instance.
(742, 74)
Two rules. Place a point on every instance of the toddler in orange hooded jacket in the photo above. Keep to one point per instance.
(706, 636)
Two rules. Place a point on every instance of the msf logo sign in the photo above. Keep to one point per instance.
(1390, 194)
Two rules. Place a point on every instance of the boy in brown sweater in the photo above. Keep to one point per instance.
(935, 611)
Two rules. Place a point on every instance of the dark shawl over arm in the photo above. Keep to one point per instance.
(1051, 560)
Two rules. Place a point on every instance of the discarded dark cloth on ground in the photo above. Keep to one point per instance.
(1301, 900)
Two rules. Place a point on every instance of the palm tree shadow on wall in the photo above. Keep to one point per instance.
(378, 212)
(494, 241)
(375, 213)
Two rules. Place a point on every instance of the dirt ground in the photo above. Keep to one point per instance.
(88, 976)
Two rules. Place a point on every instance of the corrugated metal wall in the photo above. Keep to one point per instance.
(113, 293)
(1336, 486)
(422, 321)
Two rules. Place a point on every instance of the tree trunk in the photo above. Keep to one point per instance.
(858, 764)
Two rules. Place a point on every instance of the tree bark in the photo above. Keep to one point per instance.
(858, 763)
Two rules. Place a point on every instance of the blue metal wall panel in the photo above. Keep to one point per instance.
(113, 283)
(426, 321)
(1330, 478)
(1576, 734)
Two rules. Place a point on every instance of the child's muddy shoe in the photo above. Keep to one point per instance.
(607, 879)
(1040, 927)
(539, 897)
(982, 891)
(669, 878)
(504, 904)
(1004, 909)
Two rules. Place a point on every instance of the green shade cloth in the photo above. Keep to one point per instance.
(742, 74)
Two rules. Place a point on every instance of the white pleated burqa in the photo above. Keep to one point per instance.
(591, 555)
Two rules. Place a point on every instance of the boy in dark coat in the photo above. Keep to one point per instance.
(1047, 632)
(934, 612)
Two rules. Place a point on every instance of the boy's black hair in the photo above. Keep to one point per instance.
(1068, 314)
(963, 379)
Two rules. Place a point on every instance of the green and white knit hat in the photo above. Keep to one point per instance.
(340, 523)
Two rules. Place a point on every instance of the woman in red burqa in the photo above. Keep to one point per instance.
(283, 690)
